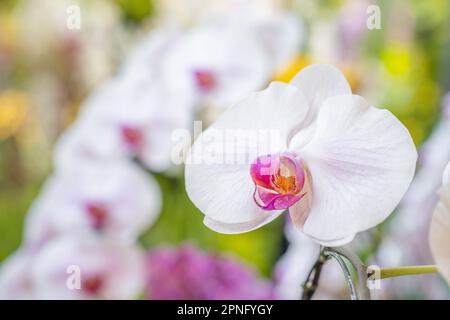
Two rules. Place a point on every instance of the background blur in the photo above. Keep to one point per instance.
(47, 71)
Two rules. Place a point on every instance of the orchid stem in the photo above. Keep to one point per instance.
(348, 276)
(338, 253)
(312, 281)
(406, 271)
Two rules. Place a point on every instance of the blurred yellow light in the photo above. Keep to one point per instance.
(397, 59)
(292, 68)
(13, 111)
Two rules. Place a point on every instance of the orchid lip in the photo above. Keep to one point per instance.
(132, 136)
(279, 181)
(205, 80)
(92, 285)
(98, 214)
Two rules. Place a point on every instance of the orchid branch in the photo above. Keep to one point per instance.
(339, 254)
(312, 281)
(406, 271)
(361, 270)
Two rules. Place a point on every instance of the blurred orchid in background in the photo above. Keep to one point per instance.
(15, 281)
(440, 227)
(410, 226)
(115, 199)
(107, 269)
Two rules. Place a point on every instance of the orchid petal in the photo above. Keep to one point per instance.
(242, 227)
(440, 233)
(446, 175)
(361, 160)
(319, 82)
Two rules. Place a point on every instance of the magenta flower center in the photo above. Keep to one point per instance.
(132, 136)
(205, 79)
(92, 284)
(98, 214)
(279, 180)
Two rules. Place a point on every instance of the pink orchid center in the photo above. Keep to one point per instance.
(279, 181)
(92, 284)
(205, 79)
(132, 136)
(98, 214)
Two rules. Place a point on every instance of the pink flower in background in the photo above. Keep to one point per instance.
(116, 199)
(339, 165)
(107, 269)
(188, 273)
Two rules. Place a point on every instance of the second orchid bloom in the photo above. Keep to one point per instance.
(337, 164)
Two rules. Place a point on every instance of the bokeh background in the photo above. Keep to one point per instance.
(47, 71)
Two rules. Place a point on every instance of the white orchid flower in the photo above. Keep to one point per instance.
(116, 199)
(338, 165)
(440, 228)
(125, 118)
(88, 267)
(216, 66)
(15, 276)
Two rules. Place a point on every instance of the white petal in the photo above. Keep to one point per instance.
(131, 196)
(446, 175)
(440, 233)
(361, 160)
(121, 268)
(143, 61)
(335, 242)
(279, 32)
(234, 228)
(14, 276)
(83, 143)
(259, 124)
(319, 82)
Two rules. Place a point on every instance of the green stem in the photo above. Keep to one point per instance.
(406, 271)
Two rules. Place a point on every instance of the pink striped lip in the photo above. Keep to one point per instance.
(279, 181)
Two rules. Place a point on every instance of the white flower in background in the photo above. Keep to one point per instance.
(214, 65)
(15, 276)
(406, 243)
(337, 164)
(106, 269)
(116, 199)
(280, 32)
(440, 228)
(144, 61)
(125, 119)
(235, 50)
(188, 12)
